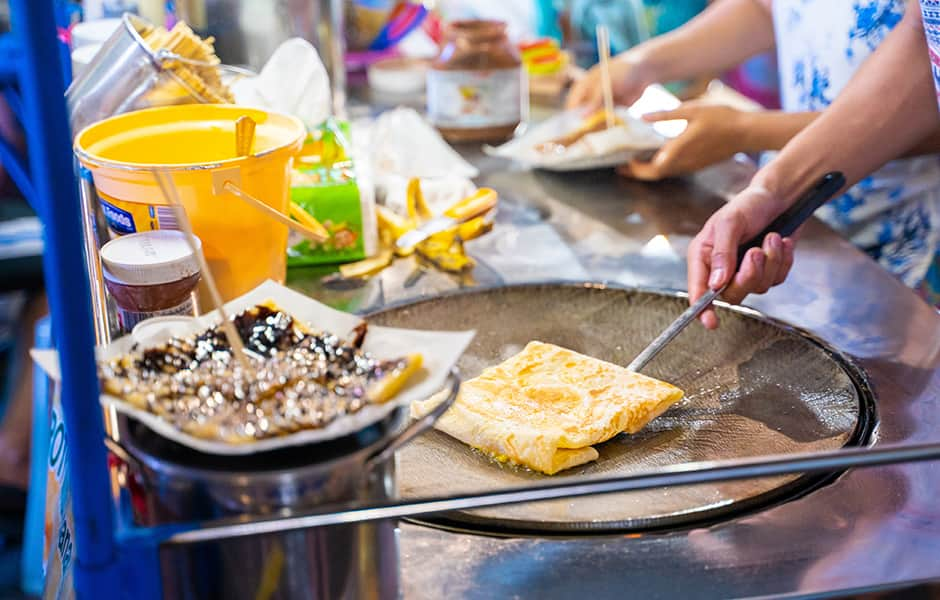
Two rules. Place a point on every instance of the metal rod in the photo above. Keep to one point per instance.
(687, 474)
(46, 119)
(18, 170)
(657, 345)
(99, 299)
(168, 188)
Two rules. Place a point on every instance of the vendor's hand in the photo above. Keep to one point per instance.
(714, 133)
(713, 253)
(629, 77)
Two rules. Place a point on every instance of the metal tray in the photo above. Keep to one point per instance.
(754, 387)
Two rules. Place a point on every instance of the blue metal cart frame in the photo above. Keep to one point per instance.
(112, 557)
(31, 73)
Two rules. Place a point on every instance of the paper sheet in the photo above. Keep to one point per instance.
(293, 81)
(439, 349)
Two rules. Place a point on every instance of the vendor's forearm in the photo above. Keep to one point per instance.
(882, 113)
(724, 35)
(772, 129)
(928, 145)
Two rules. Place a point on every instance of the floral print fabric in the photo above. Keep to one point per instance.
(894, 214)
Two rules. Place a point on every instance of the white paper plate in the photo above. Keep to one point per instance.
(599, 150)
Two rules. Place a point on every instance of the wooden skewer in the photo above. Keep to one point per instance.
(603, 51)
(244, 135)
(317, 235)
(228, 328)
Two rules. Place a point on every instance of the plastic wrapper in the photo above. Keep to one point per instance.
(331, 184)
(402, 145)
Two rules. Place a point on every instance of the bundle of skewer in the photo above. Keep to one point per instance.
(190, 58)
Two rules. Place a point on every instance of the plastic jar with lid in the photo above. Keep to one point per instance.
(474, 87)
(150, 274)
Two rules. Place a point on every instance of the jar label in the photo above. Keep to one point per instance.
(472, 99)
(127, 319)
(134, 217)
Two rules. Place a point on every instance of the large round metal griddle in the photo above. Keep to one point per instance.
(754, 387)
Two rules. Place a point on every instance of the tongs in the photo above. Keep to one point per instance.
(786, 224)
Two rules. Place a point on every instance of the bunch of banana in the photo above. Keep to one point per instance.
(444, 249)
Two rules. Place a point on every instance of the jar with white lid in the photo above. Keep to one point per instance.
(474, 87)
(151, 274)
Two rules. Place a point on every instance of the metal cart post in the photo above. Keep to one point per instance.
(41, 86)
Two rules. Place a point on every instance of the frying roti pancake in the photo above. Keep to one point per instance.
(546, 407)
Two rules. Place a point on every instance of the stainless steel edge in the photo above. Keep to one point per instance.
(418, 426)
(686, 474)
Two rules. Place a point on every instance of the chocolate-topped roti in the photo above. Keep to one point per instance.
(298, 378)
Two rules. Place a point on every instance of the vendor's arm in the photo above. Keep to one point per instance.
(724, 35)
(716, 133)
(881, 114)
(928, 145)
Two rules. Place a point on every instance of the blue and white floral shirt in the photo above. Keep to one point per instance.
(894, 214)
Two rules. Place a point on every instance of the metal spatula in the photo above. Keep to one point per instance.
(786, 224)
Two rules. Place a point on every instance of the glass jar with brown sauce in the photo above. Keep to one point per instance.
(150, 274)
(475, 85)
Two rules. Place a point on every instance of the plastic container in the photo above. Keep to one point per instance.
(195, 144)
(96, 32)
(399, 76)
(475, 86)
(326, 185)
(150, 274)
(161, 328)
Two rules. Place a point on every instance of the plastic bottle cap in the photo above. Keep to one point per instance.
(149, 258)
(156, 330)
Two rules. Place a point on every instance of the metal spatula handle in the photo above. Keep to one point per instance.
(786, 224)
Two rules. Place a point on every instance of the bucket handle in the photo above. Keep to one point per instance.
(418, 426)
(312, 230)
(164, 56)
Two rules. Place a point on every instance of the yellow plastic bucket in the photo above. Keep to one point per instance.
(195, 144)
